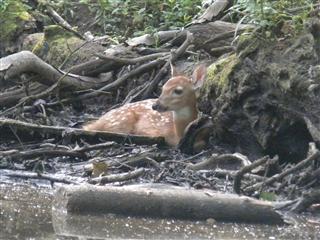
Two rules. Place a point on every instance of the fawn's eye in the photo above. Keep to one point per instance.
(177, 91)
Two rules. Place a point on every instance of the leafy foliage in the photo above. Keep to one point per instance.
(135, 17)
(4, 4)
(268, 13)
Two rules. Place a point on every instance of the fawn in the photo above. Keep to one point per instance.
(168, 116)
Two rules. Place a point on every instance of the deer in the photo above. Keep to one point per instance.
(167, 116)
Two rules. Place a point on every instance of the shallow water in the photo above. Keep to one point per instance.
(26, 213)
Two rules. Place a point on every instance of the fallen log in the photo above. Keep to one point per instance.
(26, 62)
(161, 201)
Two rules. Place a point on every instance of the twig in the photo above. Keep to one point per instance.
(223, 36)
(63, 23)
(175, 55)
(118, 177)
(44, 152)
(308, 177)
(215, 160)
(221, 173)
(141, 69)
(79, 133)
(314, 154)
(132, 61)
(297, 9)
(27, 99)
(218, 51)
(244, 170)
(72, 52)
(95, 147)
(45, 176)
(306, 201)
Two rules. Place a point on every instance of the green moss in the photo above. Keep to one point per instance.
(58, 44)
(55, 32)
(247, 44)
(219, 73)
(12, 18)
(37, 48)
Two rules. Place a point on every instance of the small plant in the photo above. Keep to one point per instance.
(4, 4)
(128, 18)
(269, 13)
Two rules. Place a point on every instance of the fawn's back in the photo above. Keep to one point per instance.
(138, 119)
(168, 116)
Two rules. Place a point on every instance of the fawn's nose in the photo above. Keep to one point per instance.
(157, 106)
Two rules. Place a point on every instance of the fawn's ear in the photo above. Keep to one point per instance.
(199, 75)
(174, 71)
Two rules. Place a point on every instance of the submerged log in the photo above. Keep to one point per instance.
(159, 201)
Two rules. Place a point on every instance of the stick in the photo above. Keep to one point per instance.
(43, 152)
(244, 170)
(118, 177)
(214, 161)
(79, 133)
(314, 154)
(45, 176)
(141, 69)
(175, 55)
(132, 61)
(30, 98)
(306, 201)
(63, 23)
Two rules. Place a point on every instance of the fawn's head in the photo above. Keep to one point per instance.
(179, 92)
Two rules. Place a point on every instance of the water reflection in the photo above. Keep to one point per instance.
(26, 213)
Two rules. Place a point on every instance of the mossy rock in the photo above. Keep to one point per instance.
(13, 16)
(33, 42)
(218, 75)
(58, 46)
(15, 20)
(247, 44)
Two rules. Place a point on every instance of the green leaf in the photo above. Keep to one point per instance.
(267, 196)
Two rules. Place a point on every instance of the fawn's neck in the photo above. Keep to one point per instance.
(183, 117)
